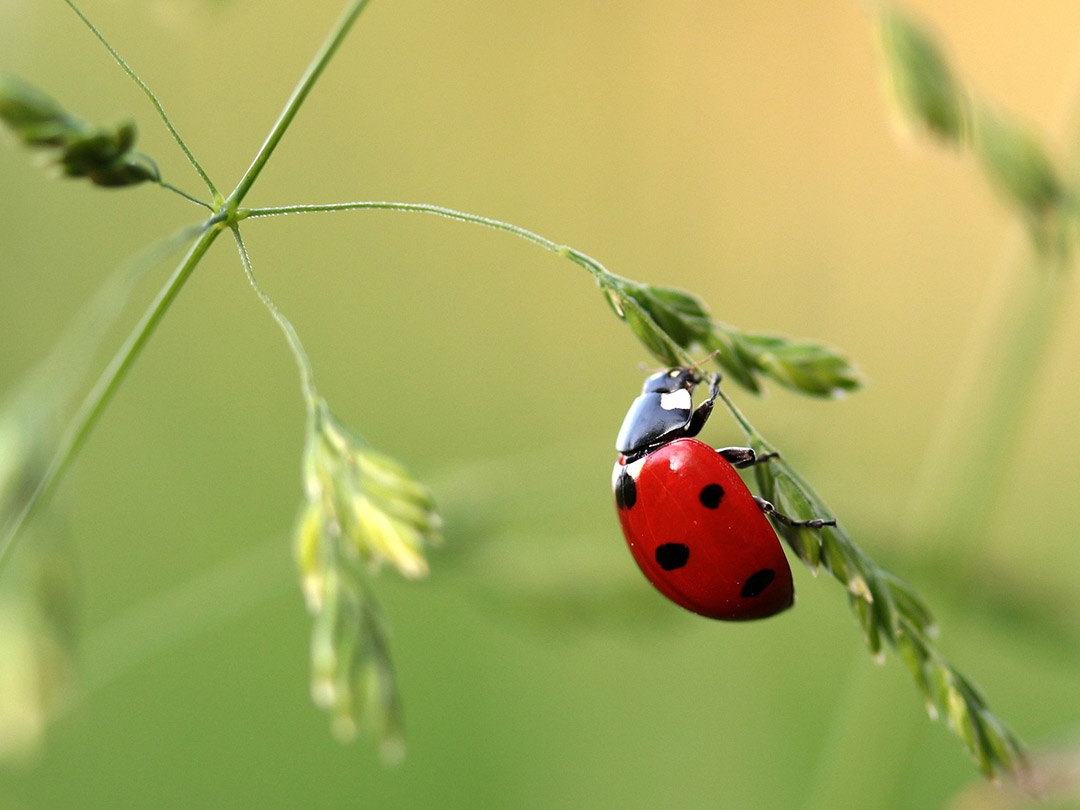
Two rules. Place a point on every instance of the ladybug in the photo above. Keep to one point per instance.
(695, 530)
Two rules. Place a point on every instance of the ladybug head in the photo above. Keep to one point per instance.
(670, 380)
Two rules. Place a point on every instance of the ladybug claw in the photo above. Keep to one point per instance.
(714, 386)
(815, 523)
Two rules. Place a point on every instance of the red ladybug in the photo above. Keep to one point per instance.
(693, 527)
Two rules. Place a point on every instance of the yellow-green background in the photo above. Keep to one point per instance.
(739, 149)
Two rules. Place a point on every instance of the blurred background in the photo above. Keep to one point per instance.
(744, 151)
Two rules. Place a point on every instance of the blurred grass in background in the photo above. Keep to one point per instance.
(741, 151)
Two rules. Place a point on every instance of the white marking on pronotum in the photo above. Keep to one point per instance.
(676, 400)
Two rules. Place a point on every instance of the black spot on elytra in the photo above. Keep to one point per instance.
(711, 495)
(670, 556)
(757, 582)
(625, 491)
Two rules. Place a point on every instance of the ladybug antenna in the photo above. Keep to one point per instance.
(705, 360)
(650, 370)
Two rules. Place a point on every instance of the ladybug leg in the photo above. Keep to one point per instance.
(769, 509)
(741, 457)
(703, 411)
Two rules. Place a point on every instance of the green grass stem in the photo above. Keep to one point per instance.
(149, 94)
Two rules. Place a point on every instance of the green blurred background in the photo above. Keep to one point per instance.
(741, 150)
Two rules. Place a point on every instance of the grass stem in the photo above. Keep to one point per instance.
(149, 94)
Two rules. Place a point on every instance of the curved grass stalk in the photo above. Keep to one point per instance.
(415, 208)
(602, 275)
(303, 362)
